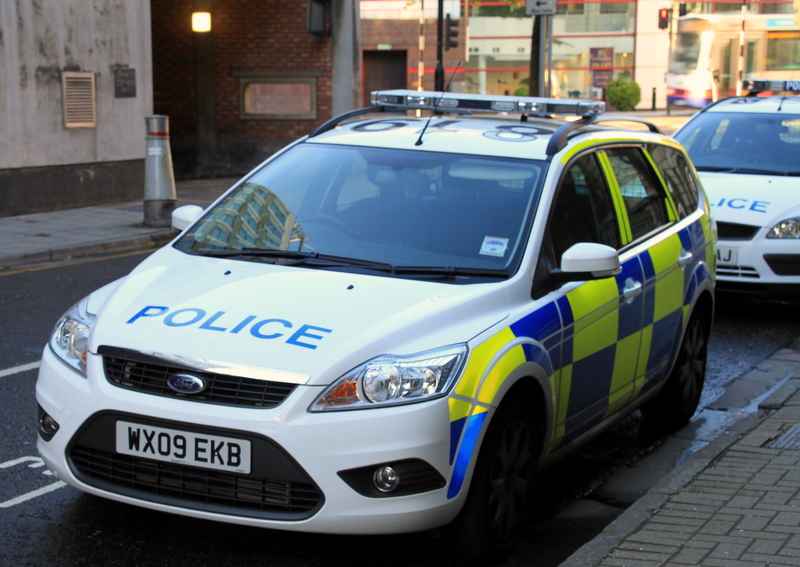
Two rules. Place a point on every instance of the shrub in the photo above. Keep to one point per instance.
(623, 93)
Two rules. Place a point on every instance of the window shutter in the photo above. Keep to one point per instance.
(79, 100)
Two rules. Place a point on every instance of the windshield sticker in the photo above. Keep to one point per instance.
(494, 246)
(266, 328)
(742, 204)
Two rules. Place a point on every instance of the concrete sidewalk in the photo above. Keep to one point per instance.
(92, 231)
(736, 503)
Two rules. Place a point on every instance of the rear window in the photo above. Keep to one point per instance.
(679, 176)
(640, 189)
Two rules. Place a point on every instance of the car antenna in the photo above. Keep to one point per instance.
(437, 103)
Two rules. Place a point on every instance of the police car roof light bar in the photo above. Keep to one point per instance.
(462, 102)
(757, 86)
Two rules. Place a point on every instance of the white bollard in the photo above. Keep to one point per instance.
(159, 184)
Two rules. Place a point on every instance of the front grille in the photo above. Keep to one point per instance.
(783, 264)
(735, 231)
(747, 272)
(142, 373)
(190, 484)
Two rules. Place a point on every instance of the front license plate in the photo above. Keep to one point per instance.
(183, 447)
(727, 256)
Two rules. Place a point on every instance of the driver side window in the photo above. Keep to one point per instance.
(581, 212)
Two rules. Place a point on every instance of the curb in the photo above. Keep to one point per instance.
(594, 551)
(597, 549)
(97, 249)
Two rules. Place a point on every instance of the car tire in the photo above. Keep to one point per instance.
(501, 482)
(678, 399)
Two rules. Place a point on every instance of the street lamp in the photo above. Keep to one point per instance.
(201, 22)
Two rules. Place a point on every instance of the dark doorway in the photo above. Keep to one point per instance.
(384, 70)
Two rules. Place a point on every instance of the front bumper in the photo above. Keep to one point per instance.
(760, 263)
(322, 444)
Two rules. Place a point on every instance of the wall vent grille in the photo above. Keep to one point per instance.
(79, 99)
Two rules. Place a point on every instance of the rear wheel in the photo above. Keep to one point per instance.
(675, 405)
(498, 495)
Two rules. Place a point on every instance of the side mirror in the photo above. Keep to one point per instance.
(184, 216)
(587, 261)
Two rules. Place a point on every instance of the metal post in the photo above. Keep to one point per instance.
(549, 44)
(535, 75)
(740, 60)
(653, 100)
(669, 59)
(439, 76)
(159, 185)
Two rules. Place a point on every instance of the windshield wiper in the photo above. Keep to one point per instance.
(300, 257)
(450, 271)
(714, 168)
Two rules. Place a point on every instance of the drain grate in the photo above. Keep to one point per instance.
(789, 440)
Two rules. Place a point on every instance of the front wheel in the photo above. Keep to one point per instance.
(498, 493)
(678, 399)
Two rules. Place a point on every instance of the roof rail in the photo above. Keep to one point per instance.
(336, 120)
(621, 118)
(558, 140)
(465, 102)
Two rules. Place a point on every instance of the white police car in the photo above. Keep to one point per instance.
(747, 150)
(392, 323)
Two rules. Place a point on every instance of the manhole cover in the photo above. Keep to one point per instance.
(789, 440)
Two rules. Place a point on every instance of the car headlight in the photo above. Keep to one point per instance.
(787, 228)
(70, 339)
(391, 380)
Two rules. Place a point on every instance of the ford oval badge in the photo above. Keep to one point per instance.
(185, 383)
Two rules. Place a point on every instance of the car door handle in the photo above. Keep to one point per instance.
(685, 257)
(632, 290)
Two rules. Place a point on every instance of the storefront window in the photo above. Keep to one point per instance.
(783, 51)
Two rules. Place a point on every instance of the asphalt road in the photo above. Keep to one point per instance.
(44, 523)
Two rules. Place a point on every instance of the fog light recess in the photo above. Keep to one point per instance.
(385, 479)
(48, 426)
(398, 478)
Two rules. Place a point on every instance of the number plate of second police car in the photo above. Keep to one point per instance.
(727, 256)
(183, 447)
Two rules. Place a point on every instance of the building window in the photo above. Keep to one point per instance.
(279, 98)
(783, 51)
(569, 8)
(614, 7)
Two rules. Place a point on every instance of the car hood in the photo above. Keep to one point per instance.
(756, 200)
(307, 326)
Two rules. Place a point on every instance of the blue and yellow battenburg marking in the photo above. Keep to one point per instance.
(597, 350)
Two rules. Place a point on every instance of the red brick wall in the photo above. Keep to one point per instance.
(266, 37)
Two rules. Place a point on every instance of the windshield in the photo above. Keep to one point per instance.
(744, 142)
(398, 207)
(685, 53)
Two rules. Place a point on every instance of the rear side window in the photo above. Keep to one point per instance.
(679, 176)
(583, 210)
(644, 199)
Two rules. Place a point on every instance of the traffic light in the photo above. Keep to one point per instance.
(682, 9)
(663, 18)
(450, 32)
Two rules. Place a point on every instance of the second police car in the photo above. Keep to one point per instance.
(391, 324)
(747, 150)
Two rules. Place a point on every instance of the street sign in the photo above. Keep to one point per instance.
(541, 7)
